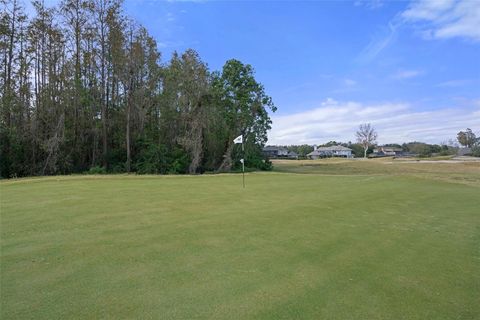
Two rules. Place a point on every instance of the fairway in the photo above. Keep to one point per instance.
(389, 244)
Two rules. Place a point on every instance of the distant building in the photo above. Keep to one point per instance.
(387, 152)
(274, 152)
(391, 152)
(332, 151)
(464, 151)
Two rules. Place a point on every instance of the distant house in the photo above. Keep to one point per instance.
(387, 152)
(464, 151)
(274, 152)
(333, 151)
(391, 152)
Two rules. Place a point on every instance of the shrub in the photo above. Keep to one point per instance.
(97, 170)
(158, 159)
(476, 151)
(178, 161)
(118, 168)
(152, 159)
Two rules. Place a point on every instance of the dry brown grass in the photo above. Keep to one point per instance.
(465, 172)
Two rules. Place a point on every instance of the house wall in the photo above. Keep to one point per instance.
(346, 154)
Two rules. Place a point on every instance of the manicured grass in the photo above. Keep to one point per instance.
(289, 246)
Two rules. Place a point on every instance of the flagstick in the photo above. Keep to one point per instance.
(243, 165)
(239, 139)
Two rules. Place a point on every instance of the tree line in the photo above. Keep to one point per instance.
(83, 88)
(420, 149)
(367, 139)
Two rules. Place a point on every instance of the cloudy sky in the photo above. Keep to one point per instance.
(412, 69)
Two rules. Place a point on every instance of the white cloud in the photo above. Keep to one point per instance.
(434, 19)
(427, 9)
(379, 42)
(370, 4)
(170, 44)
(454, 83)
(170, 17)
(407, 74)
(395, 122)
(445, 18)
(350, 82)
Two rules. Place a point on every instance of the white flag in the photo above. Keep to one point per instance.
(241, 160)
(238, 139)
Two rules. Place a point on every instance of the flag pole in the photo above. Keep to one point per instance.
(239, 139)
(243, 165)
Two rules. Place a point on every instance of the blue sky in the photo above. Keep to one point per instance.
(412, 69)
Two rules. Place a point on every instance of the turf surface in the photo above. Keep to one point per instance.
(289, 246)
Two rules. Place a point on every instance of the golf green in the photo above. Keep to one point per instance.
(288, 246)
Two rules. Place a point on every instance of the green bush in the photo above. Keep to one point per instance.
(97, 170)
(118, 168)
(254, 158)
(152, 159)
(178, 161)
(476, 151)
(448, 151)
(158, 159)
(258, 163)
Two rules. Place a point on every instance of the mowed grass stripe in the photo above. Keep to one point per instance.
(288, 246)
